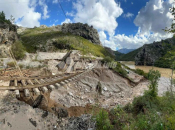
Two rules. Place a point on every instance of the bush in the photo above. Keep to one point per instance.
(102, 121)
(153, 76)
(107, 59)
(141, 72)
(11, 64)
(120, 70)
(119, 118)
(18, 50)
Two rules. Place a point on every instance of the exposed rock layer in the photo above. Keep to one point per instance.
(83, 30)
(150, 53)
(8, 34)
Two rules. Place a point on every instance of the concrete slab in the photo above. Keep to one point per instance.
(57, 85)
(51, 87)
(26, 93)
(17, 93)
(36, 91)
(44, 89)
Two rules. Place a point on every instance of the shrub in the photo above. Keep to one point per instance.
(21, 66)
(18, 50)
(120, 70)
(153, 76)
(11, 64)
(107, 59)
(141, 72)
(102, 121)
(119, 118)
(151, 121)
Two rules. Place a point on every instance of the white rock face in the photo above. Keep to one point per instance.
(50, 55)
(69, 60)
(77, 66)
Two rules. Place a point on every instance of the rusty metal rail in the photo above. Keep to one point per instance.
(26, 83)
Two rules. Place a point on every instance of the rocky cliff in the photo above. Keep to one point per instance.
(8, 33)
(83, 30)
(151, 53)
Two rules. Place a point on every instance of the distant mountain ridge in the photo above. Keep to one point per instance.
(125, 50)
(154, 54)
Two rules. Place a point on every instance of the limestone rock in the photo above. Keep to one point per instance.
(150, 53)
(83, 122)
(84, 30)
(69, 61)
(61, 65)
(78, 66)
(8, 34)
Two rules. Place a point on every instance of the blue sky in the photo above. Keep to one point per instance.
(120, 23)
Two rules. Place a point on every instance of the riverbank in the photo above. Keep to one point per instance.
(165, 72)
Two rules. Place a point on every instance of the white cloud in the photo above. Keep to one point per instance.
(44, 8)
(55, 1)
(70, 14)
(154, 17)
(102, 36)
(23, 12)
(128, 15)
(66, 21)
(101, 14)
(151, 19)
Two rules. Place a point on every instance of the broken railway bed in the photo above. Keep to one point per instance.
(36, 85)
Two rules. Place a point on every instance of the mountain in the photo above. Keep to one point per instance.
(118, 55)
(157, 53)
(129, 56)
(125, 50)
(50, 39)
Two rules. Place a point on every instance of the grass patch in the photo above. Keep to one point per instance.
(36, 39)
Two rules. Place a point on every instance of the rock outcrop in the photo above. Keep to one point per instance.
(83, 30)
(110, 51)
(150, 53)
(8, 33)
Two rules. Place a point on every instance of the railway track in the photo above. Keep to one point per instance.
(38, 85)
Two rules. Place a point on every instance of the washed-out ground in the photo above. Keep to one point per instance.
(79, 98)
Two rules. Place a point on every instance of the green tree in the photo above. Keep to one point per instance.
(102, 121)
(2, 16)
(12, 19)
(153, 76)
(172, 28)
(171, 53)
(18, 50)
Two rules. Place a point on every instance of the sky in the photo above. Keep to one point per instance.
(120, 23)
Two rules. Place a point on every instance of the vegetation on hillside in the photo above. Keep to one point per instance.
(127, 57)
(118, 55)
(18, 50)
(36, 38)
(147, 112)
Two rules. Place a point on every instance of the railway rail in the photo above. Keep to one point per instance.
(40, 84)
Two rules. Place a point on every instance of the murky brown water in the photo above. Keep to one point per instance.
(164, 71)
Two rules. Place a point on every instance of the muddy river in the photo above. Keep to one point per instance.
(164, 82)
(165, 72)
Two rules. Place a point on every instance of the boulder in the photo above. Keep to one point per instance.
(78, 66)
(69, 61)
(61, 65)
(8, 34)
(84, 122)
(83, 30)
